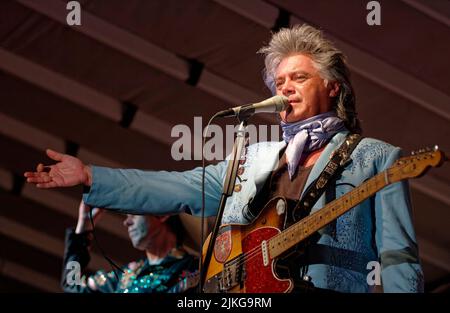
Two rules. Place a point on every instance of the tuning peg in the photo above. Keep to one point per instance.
(413, 152)
(435, 148)
(427, 149)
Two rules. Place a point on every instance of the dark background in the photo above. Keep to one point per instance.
(110, 91)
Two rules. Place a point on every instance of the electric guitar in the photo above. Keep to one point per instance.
(245, 256)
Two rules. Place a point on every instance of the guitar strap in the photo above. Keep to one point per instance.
(338, 160)
(295, 259)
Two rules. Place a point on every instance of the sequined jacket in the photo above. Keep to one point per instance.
(376, 239)
(173, 274)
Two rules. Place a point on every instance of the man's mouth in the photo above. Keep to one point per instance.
(289, 109)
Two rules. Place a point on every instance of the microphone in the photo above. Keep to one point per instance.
(272, 105)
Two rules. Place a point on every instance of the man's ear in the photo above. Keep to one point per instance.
(334, 89)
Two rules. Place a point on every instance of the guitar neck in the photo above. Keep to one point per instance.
(312, 223)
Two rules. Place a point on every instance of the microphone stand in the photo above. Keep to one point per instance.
(227, 191)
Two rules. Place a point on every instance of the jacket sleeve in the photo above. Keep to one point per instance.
(156, 192)
(76, 259)
(395, 236)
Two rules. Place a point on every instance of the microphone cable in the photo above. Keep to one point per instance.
(113, 265)
(202, 231)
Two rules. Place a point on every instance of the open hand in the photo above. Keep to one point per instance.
(68, 171)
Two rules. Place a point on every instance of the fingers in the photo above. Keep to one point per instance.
(28, 174)
(38, 178)
(41, 179)
(35, 174)
(32, 174)
(42, 170)
(51, 184)
(54, 155)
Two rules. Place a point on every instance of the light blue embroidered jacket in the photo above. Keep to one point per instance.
(379, 229)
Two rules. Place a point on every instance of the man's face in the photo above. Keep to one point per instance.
(298, 79)
(143, 229)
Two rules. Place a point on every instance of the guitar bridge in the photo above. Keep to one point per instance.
(233, 274)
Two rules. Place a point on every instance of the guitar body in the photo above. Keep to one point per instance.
(237, 264)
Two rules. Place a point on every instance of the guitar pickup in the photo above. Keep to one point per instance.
(265, 253)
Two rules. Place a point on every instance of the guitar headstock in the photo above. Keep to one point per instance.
(416, 164)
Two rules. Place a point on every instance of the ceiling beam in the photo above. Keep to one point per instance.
(426, 8)
(81, 95)
(66, 205)
(433, 188)
(29, 135)
(60, 85)
(226, 90)
(90, 157)
(142, 50)
(41, 140)
(42, 241)
(6, 179)
(434, 254)
(115, 37)
(394, 80)
(257, 11)
(29, 276)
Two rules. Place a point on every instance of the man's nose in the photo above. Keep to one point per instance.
(287, 89)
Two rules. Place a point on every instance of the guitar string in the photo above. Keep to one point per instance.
(252, 253)
(247, 256)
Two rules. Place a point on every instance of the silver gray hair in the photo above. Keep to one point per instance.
(328, 60)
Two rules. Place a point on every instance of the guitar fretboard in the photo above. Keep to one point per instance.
(312, 223)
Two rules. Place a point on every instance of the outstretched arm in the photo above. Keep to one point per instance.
(134, 191)
(149, 192)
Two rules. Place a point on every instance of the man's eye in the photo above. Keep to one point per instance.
(300, 77)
